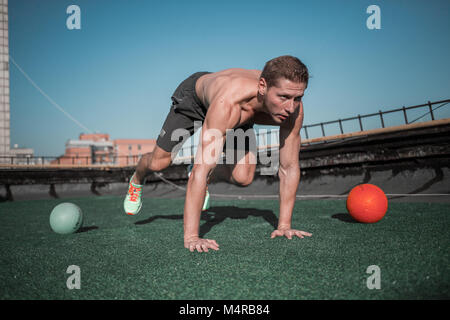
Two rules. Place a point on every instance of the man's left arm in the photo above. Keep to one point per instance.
(289, 174)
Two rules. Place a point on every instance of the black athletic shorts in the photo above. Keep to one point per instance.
(186, 109)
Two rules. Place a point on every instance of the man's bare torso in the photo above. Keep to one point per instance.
(240, 88)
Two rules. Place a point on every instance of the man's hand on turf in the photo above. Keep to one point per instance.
(201, 245)
(289, 233)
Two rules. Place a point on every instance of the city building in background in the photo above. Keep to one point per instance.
(88, 149)
(20, 155)
(97, 148)
(128, 151)
(4, 82)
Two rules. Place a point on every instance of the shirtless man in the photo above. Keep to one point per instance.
(229, 99)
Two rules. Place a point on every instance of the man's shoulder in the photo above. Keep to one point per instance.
(236, 82)
(230, 77)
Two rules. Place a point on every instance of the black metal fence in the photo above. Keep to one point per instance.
(428, 108)
(65, 160)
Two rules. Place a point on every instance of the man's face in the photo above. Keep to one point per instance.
(282, 99)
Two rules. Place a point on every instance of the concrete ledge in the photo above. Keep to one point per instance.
(322, 183)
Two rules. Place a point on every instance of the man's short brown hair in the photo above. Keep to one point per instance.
(288, 67)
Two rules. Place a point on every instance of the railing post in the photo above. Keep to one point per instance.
(360, 122)
(340, 126)
(404, 113)
(381, 118)
(431, 110)
(323, 130)
(306, 131)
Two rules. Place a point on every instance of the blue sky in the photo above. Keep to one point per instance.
(117, 73)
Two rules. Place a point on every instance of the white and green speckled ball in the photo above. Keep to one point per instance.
(66, 218)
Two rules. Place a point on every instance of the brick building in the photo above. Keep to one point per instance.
(97, 148)
(129, 151)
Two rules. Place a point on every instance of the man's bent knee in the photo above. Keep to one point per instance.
(243, 179)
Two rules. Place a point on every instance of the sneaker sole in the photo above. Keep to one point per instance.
(137, 211)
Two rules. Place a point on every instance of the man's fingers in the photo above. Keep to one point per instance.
(279, 233)
(214, 247)
(276, 233)
(302, 234)
(290, 233)
(203, 245)
(213, 242)
(299, 234)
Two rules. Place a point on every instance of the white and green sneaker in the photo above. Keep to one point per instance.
(206, 202)
(133, 201)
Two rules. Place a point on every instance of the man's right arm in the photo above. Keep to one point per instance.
(222, 115)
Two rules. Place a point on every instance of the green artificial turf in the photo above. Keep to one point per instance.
(143, 257)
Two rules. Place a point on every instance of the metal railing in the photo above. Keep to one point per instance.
(70, 161)
(380, 115)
